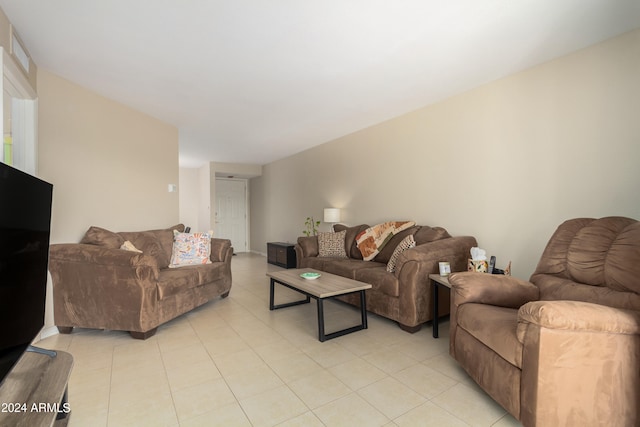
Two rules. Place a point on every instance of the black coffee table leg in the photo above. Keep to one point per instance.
(363, 310)
(435, 310)
(321, 335)
(273, 306)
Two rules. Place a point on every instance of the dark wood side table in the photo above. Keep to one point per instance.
(437, 281)
(281, 254)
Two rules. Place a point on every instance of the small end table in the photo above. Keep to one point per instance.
(281, 254)
(437, 281)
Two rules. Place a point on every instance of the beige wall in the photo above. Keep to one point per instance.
(188, 192)
(110, 165)
(506, 162)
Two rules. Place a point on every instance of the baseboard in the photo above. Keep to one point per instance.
(48, 332)
(264, 254)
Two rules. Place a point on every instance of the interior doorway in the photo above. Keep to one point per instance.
(231, 218)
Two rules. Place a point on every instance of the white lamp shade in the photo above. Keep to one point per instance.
(331, 215)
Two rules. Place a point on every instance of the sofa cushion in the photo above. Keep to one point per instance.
(428, 234)
(102, 237)
(173, 281)
(350, 244)
(406, 243)
(149, 244)
(493, 326)
(331, 244)
(165, 237)
(619, 239)
(157, 243)
(557, 288)
(211, 272)
(379, 279)
(348, 267)
(595, 252)
(314, 262)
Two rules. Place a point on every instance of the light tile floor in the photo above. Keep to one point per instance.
(232, 362)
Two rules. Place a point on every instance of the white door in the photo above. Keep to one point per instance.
(231, 212)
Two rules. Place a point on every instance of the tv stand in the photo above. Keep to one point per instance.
(35, 391)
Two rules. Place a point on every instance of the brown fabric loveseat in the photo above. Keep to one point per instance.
(98, 285)
(404, 295)
(564, 348)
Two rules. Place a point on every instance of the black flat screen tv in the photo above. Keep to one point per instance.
(25, 223)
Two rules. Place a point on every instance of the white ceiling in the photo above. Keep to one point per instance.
(253, 81)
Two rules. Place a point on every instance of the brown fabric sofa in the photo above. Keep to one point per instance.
(98, 285)
(564, 348)
(404, 295)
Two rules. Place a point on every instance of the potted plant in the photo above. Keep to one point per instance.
(312, 227)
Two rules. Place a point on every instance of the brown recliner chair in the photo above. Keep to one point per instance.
(564, 348)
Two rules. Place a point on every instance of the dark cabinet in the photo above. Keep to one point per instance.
(281, 254)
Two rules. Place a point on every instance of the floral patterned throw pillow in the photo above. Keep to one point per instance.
(190, 249)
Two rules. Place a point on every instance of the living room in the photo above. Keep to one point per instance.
(505, 162)
(509, 160)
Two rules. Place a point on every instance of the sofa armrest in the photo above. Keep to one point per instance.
(577, 355)
(452, 249)
(306, 247)
(413, 268)
(484, 288)
(221, 250)
(579, 316)
(99, 287)
(493, 289)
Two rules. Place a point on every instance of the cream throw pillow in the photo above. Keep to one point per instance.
(128, 246)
